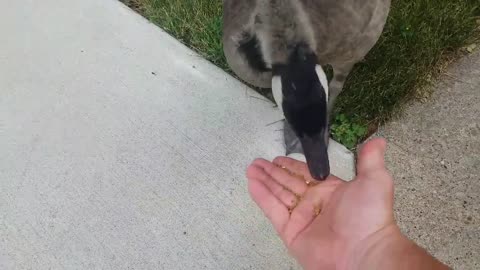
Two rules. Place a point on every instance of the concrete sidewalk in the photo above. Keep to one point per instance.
(434, 154)
(122, 149)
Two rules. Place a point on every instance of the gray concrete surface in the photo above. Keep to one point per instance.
(434, 154)
(122, 149)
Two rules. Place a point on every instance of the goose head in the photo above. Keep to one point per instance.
(300, 88)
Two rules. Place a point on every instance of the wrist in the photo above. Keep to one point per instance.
(390, 249)
(364, 254)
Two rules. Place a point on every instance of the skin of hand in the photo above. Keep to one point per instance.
(332, 224)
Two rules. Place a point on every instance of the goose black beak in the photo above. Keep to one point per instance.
(316, 153)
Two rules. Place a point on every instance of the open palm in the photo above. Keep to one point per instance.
(326, 224)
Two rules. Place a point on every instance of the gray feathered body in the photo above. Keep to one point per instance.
(340, 32)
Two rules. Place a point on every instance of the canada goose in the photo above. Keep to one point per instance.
(283, 44)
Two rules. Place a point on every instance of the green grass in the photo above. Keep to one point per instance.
(418, 39)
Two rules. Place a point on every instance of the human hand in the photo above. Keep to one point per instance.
(330, 224)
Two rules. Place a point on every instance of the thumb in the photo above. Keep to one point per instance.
(372, 157)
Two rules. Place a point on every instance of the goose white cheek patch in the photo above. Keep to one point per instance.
(277, 91)
(323, 79)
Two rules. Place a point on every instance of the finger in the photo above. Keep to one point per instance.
(272, 208)
(382, 184)
(371, 157)
(294, 183)
(293, 165)
(279, 191)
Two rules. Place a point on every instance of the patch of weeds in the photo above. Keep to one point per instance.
(347, 131)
